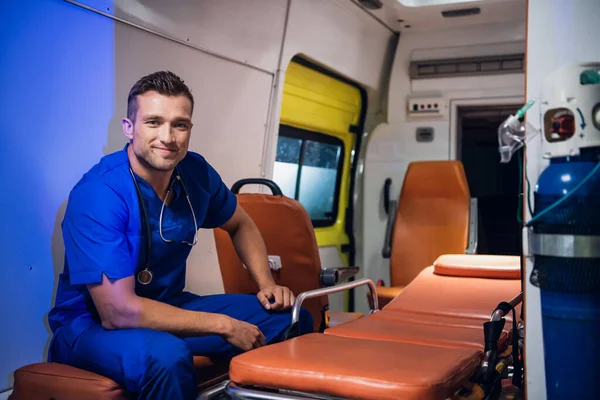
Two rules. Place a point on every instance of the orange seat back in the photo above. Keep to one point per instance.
(432, 218)
(288, 232)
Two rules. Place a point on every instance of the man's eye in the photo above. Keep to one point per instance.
(181, 126)
(152, 123)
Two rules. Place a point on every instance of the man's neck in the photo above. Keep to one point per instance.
(159, 180)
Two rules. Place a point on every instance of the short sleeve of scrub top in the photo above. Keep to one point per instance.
(222, 203)
(95, 235)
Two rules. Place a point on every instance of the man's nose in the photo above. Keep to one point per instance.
(166, 134)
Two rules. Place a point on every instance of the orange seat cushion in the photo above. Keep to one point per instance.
(356, 368)
(478, 266)
(385, 294)
(46, 381)
(54, 381)
(454, 296)
(209, 372)
(378, 327)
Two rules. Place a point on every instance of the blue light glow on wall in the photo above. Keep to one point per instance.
(57, 73)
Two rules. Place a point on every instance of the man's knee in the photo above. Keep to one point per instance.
(166, 369)
(168, 358)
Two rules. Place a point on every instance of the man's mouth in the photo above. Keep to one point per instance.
(165, 151)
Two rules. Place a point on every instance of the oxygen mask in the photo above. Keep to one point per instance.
(514, 132)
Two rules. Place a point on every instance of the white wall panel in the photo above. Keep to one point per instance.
(248, 31)
(339, 35)
(481, 40)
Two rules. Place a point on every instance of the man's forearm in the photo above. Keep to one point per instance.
(133, 311)
(251, 250)
(120, 308)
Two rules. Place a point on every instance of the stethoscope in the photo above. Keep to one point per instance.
(145, 276)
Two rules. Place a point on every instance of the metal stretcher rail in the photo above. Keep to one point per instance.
(334, 289)
(242, 393)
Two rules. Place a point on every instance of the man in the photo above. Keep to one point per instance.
(130, 224)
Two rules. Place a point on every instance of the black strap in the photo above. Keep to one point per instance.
(518, 368)
(492, 331)
(324, 317)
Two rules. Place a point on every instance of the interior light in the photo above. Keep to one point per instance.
(423, 3)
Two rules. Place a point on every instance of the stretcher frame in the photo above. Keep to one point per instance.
(237, 392)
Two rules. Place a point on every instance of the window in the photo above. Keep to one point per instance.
(308, 168)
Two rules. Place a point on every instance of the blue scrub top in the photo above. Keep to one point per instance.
(102, 233)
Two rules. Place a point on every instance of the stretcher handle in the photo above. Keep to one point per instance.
(333, 289)
(275, 189)
(498, 314)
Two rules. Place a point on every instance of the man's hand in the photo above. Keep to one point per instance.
(243, 335)
(281, 296)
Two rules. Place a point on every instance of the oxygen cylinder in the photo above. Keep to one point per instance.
(566, 247)
(564, 233)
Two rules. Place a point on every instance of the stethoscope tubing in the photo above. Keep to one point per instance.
(145, 276)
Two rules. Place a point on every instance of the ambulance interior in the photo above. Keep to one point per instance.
(362, 136)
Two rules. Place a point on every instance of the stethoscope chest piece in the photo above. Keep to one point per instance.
(144, 276)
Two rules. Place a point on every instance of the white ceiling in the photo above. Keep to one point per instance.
(427, 14)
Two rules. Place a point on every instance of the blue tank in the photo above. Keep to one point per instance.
(569, 286)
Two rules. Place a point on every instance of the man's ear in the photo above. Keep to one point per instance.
(127, 128)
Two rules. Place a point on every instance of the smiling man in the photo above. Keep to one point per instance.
(130, 224)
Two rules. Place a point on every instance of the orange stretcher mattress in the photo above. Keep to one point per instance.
(452, 296)
(357, 368)
(379, 327)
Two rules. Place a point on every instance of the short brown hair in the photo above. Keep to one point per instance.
(162, 82)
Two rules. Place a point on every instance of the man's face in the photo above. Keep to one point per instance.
(161, 131)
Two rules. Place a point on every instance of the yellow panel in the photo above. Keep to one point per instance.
(318, 102)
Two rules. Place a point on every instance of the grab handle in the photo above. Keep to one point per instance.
(390, 209)
(386, 195)
(275, 189)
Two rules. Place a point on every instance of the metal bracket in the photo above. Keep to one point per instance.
(473, 227)
(567, 246)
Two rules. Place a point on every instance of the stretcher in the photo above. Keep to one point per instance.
(427, 343)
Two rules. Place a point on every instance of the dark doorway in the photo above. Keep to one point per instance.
(495, 185)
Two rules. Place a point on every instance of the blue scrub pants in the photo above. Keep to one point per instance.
(158, 365)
